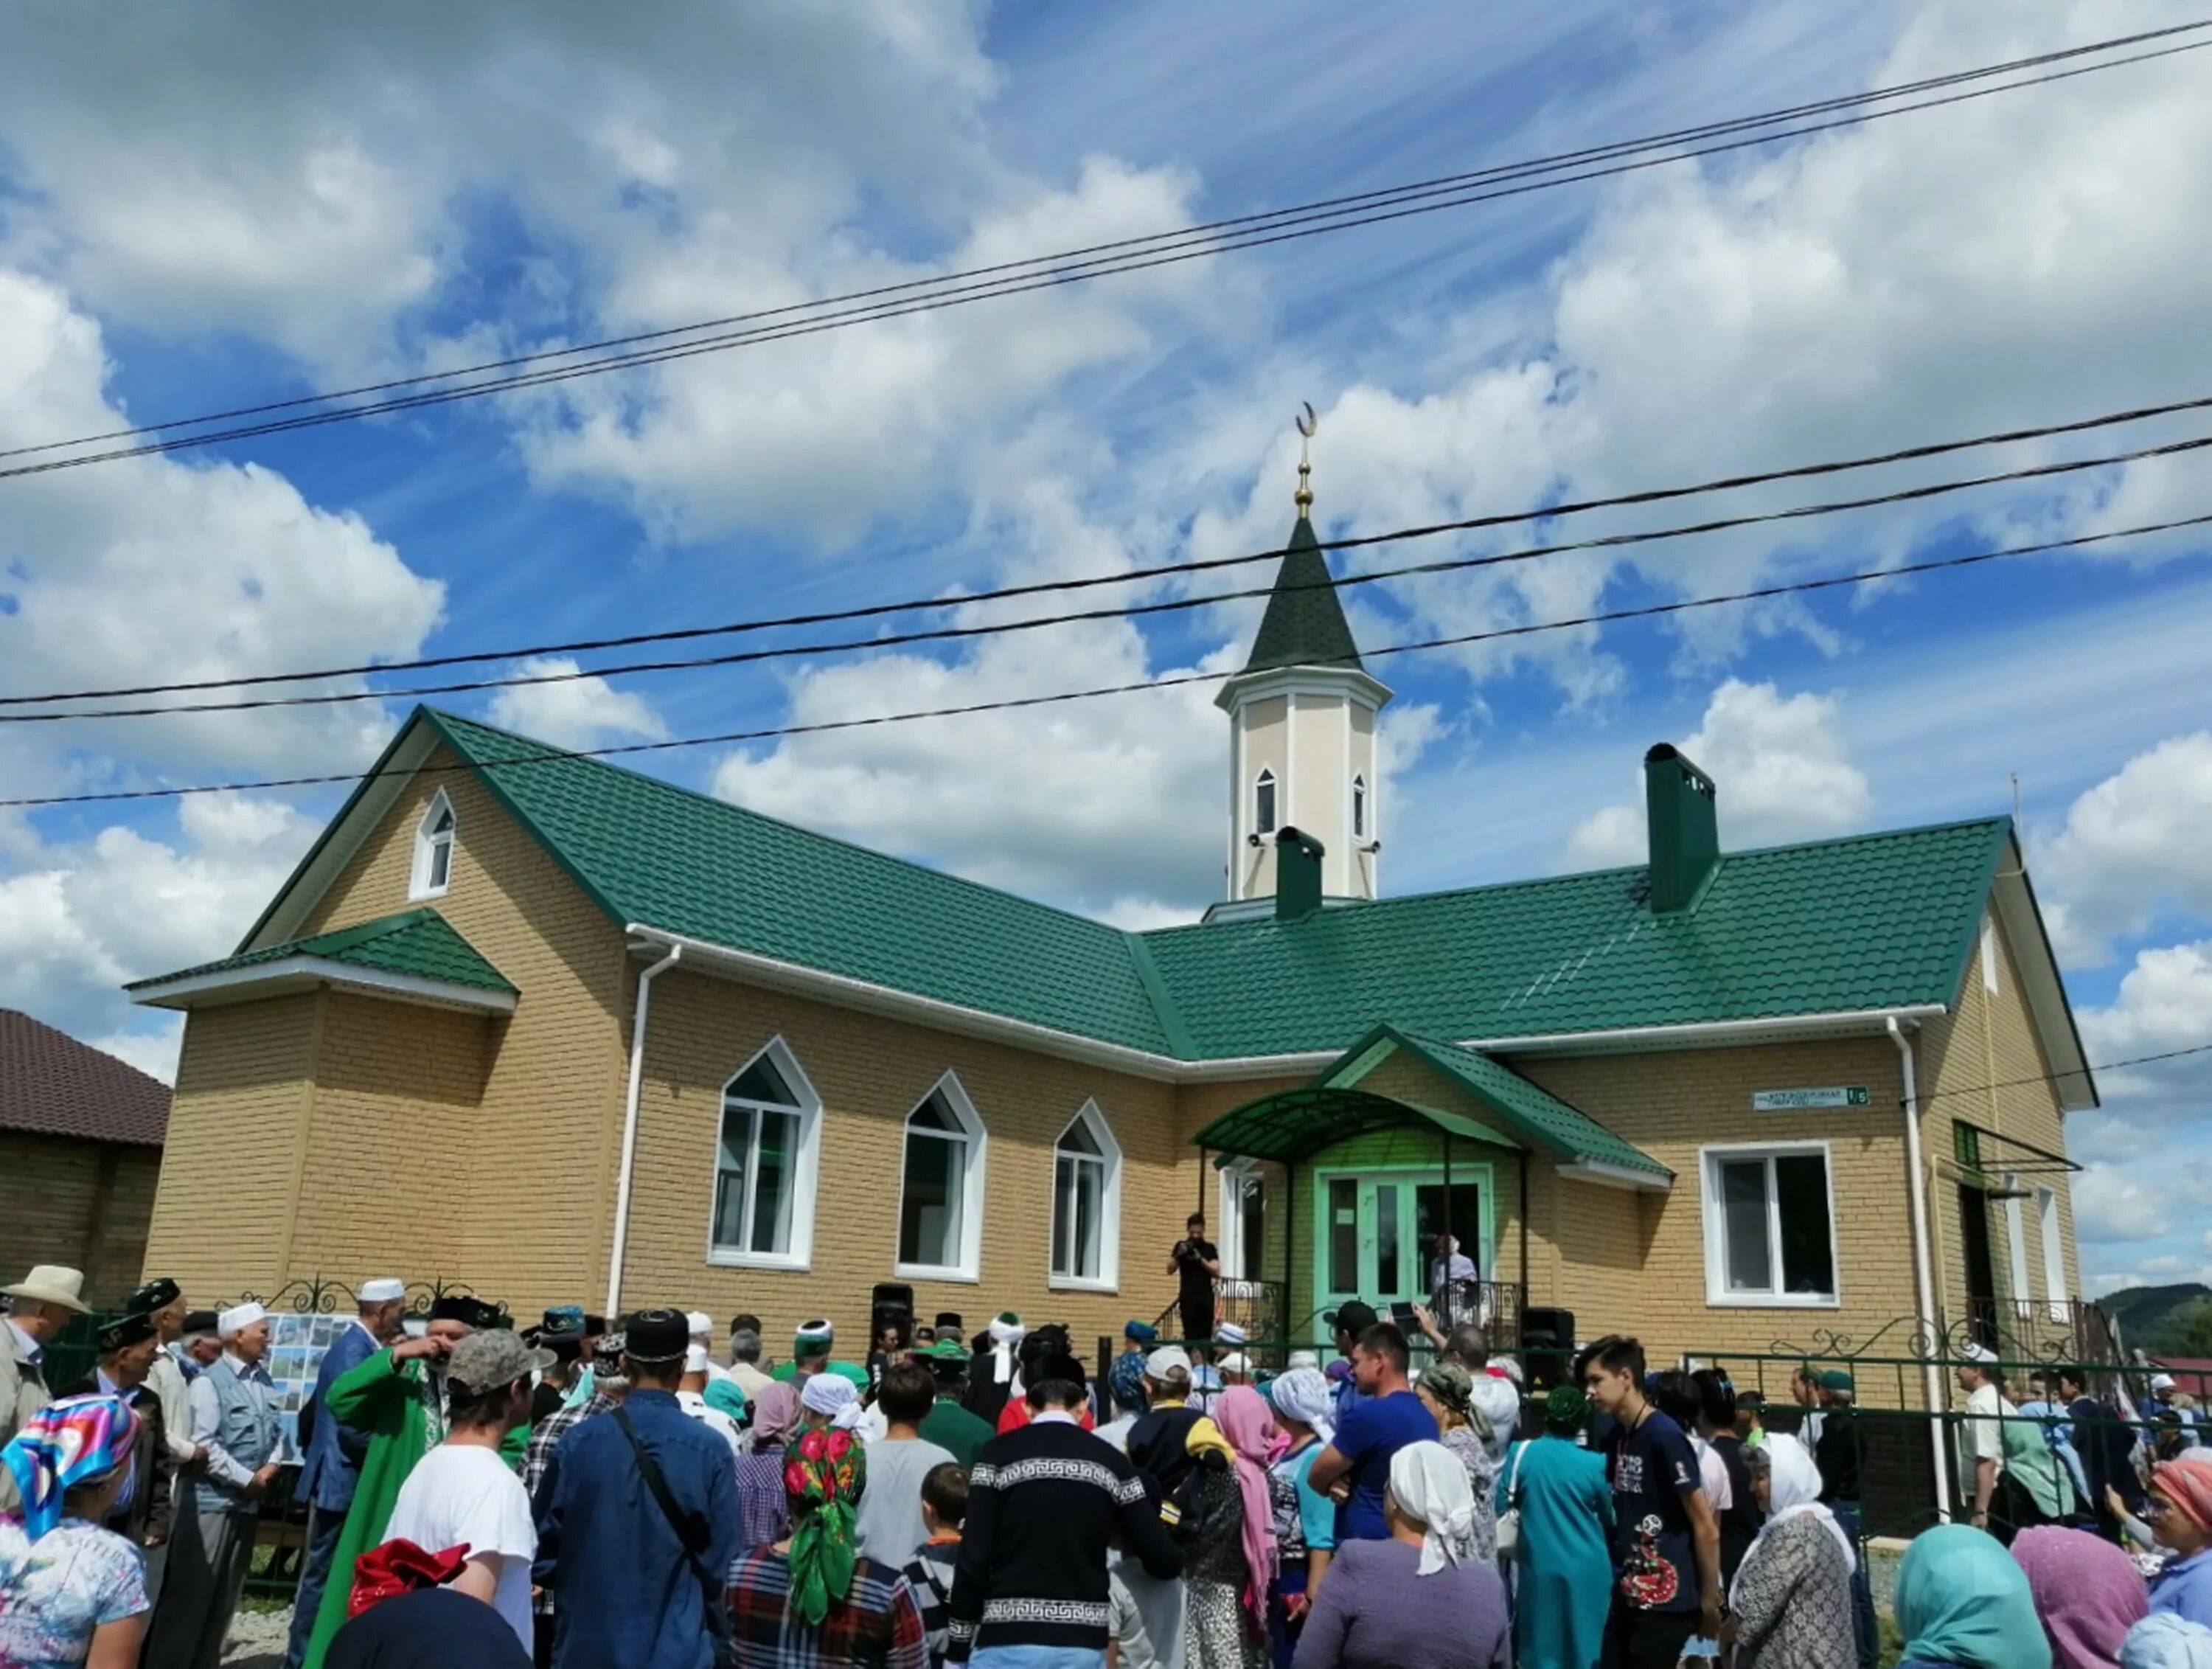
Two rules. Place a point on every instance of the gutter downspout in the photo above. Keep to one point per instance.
(1923, 1269)
(645, 979)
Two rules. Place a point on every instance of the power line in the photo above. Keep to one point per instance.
(2080, 1072)
(870, 611)
(1150, 240)
(1079, 272)
(546, 755)
(993, 629)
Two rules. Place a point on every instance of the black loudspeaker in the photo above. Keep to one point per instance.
(890, 1304)
(1547, 1345)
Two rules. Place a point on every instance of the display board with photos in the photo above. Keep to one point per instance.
(296, 1345)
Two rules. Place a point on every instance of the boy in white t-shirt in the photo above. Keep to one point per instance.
(462, 1493)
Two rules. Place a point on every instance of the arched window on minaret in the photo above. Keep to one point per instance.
(1359, 809)
(1263, 804)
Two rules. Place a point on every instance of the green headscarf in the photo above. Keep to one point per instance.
(822, 1474)
(1962, 1599)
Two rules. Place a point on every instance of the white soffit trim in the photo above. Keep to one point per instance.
(377, 798)
(975, 1022)
(1605, 1175)
(264, 979)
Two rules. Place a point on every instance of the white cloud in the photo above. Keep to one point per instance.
(577, 712)
(2109, 1205)
(2134, 846)
(153, 1051)
(1780, 765)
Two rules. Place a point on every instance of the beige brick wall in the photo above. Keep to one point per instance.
(222, 1218)
(83, 1205)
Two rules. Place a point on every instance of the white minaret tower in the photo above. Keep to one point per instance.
(1302, 718)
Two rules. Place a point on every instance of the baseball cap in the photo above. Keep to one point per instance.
(1168, 1359)
(495, 1357)
(1355, 1317)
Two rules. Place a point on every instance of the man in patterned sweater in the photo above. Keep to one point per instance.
(1045, 1502)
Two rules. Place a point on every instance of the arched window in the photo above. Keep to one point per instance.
(1086, 1203)
(1359, 809)
(1263, 804)
(764, 1165)
(434, 849)
(940, 1221)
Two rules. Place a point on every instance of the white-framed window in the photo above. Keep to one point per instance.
(1770, 1226)
(1263, 803)
(434, 849)
(1086, 1203)
(1359, 809)
(2016, 1240)
(2054, 1255)
(765, 1162)
(1989, 957)
(1241, 1215)
(941, 1220)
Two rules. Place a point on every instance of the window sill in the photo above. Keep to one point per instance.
(721, 1258)
(1771, 1302)
(1078, 1283)
(415, 895)
(932, 1272)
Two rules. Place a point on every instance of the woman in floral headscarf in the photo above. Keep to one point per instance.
(67, 1587)
(810, 1598)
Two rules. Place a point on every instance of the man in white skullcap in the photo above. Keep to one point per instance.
(235, 1408)
(335, 1450)
(703, 1337)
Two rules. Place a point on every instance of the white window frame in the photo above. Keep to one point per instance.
(968, 1268)
(1229, 1215)
(1109, 1278)
(2060, 1300)
(1362, 818)
(427, 843)
(806, 1168)
(1717, 1295)
(1989, 981)
(1267, 780)
(2016, 1246)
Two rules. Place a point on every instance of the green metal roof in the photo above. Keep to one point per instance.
(418, 943)
(1294, 1124)
(657, 854)
(1305, 624)
(1871, 922)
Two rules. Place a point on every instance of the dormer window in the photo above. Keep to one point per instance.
(1359, 809)
(1263, 804)
(434, 849)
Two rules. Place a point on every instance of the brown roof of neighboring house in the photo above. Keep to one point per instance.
(54, 1085)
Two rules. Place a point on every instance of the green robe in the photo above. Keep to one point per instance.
(388, 1400)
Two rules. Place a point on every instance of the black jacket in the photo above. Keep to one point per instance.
(146, 1521)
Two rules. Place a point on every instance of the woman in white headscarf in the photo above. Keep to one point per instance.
(1305, 1518)
(1421, 1599)
(1792, 1597)
(830, 1399)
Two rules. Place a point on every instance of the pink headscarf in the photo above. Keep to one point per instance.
(2087, 1595)
(776, 1414)
(1248, 1423)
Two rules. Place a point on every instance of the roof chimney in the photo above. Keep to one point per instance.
(1298, 874)
(1685, 843)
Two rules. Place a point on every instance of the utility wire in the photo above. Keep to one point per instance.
(993, 629)
(870, 611)
(1081, 272)
(2081, 1072)
(544, 755)
(1151, 241)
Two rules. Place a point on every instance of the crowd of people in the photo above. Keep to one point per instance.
(647, 1492)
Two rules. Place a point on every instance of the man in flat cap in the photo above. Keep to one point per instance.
(129, 1346)
(395, 1398)
(236, 1418)
(336, 1450)
(162, 1301)
(38, 1307)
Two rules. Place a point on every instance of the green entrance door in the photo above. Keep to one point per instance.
(1378, 1232)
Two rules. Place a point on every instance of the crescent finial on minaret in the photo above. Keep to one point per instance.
(1308, 426)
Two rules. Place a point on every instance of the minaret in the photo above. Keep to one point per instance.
(1302, 719)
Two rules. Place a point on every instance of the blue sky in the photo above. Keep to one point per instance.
(204, 212)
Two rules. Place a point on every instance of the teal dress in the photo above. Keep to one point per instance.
(1562, 1571)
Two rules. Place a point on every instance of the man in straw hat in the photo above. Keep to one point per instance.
(38, 1307)
(396, 1398)
(236, 1418)
(336, 1449)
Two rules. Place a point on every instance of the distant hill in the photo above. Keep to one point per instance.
(2154, 1318)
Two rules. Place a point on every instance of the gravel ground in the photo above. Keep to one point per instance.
(258, 1639)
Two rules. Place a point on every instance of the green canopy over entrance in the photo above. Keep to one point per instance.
(1294, 1124)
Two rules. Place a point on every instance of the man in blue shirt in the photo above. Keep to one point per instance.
(1350, 1322)
(1387, 1417)
(1665, 1538)
(631, 1591)
(336, 1449)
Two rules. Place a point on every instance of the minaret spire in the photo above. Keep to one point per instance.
(1308, 426)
